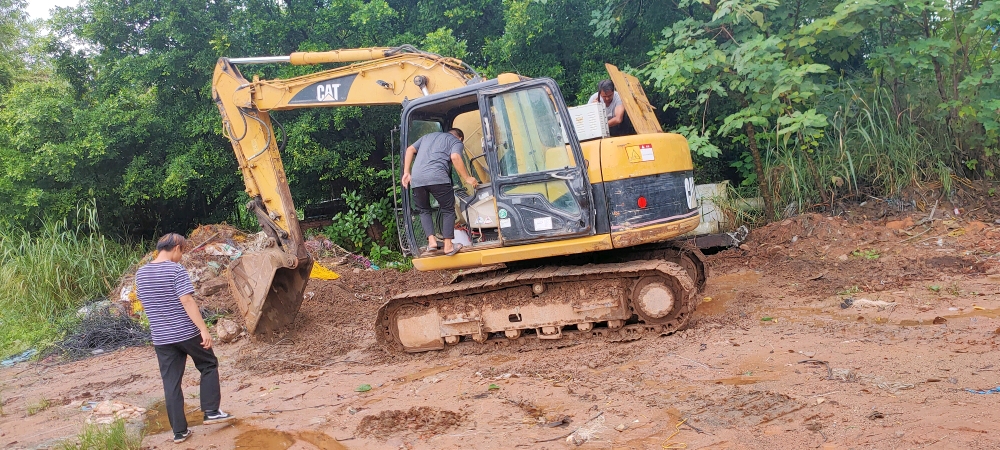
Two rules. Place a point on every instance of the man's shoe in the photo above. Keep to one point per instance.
(181, 437)
(216, 416)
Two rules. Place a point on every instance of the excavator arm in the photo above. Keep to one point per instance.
(268, 284)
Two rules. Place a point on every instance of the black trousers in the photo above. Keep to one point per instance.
(172, 359)
(445, 195)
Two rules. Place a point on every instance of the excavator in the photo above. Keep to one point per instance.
(564, 239)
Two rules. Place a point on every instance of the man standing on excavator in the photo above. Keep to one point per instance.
(432, 157)
(614, 109)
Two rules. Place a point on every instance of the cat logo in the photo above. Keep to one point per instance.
(334, 90)
(329, 92)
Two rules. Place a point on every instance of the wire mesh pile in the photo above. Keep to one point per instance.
(103, 328)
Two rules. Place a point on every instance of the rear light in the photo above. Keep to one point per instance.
(642, 202)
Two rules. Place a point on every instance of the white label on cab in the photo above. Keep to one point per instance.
(504, 223)
(543, 223)
(647, 152)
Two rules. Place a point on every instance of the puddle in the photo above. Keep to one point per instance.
(741, 380)
(157, 421)
(427, 372)
(987, 313)
(500, 359)
(262, 439)
(321, 440)
(266, 439)
(723, 288)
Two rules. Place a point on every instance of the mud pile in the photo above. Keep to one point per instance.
(335, 324)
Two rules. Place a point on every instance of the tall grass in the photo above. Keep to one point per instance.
(115, 436)
(867, 150)
(46, 275)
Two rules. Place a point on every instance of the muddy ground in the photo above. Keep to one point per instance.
(819, 332)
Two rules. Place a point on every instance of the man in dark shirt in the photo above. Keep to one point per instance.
(164, 288)
(432, 157)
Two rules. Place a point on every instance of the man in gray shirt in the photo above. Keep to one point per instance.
(432, 157)
(614, 109)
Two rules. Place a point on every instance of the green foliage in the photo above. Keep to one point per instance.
(869, 254)
(443, 42)
(41, 405)
(850, 291)
(357, 228)
(114, 436)
(111, 100)
(48, 274)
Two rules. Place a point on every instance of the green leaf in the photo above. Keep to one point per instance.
(363, 388)
(493, 387)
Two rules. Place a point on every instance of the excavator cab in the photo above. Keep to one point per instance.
(534, 185)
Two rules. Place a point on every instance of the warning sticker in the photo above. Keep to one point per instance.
(504, 223)
(543, 223)
(640, 153)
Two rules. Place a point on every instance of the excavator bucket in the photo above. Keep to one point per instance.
(268, 288)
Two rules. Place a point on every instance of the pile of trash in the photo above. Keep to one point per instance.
(212, 249)
(104, 326)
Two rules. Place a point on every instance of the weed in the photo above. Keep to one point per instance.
(866, 149)
(114, 436)
(850, 291)
(954, 289)
(738, 209)
(46, 275)
(36, 408)
(870, 254)
(1, 401)
(934, 288)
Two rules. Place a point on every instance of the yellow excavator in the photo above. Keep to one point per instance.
(563, 239)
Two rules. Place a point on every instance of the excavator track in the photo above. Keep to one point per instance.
(543, 305)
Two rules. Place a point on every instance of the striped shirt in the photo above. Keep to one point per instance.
(160, 286)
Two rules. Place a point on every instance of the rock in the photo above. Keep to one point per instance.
(213, 286)
(842, 257)
(104, 408)
(227, 330)
(621, 427)
(809, 354)
(899, 224)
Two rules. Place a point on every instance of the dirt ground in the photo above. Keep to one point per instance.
(818, 332)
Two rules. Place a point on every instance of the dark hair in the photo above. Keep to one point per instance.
(169, 242)
(605, 86)
(460, 134)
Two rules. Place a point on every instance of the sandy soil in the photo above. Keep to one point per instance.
(775, 358)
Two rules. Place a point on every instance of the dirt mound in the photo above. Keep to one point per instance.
(819, 253)
(336, 318)
(423, 420)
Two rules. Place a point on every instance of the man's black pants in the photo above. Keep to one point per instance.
(172, 359)
(445, 195)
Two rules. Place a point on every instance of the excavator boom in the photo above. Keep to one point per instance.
(268, 285)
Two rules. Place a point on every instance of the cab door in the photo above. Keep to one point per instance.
(539, 180)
